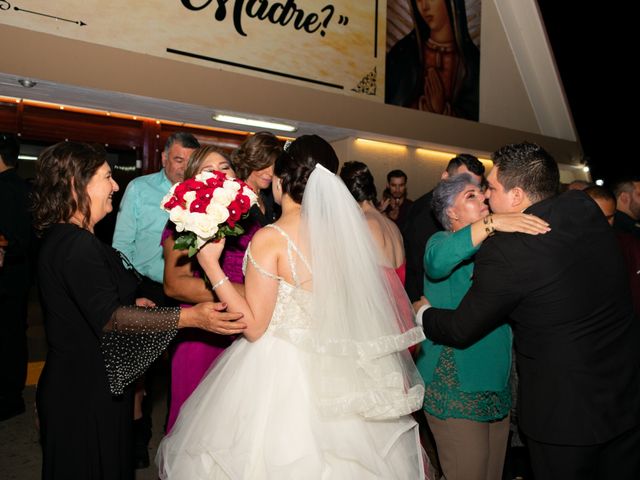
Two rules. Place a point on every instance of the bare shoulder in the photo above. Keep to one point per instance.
(267, 240)
(381, 226)
(393, 229)
(374, 222)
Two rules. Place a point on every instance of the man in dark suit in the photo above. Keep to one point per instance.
(627, 218)
(575, 334)
(16, 246)
(421, 224)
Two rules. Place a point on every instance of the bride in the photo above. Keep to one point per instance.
(321, 385)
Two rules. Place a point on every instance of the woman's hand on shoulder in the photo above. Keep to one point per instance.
(518, 222)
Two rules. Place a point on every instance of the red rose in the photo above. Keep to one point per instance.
(214, 182)
(198, 206)
(173, 202)
(205, 194)
(180, 190)
(193, 184)
(235, 213)
(244, 202)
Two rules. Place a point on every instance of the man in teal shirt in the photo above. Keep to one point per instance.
(141, 220)
(137, 235)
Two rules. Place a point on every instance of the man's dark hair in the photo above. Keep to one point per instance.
(529, 167)
(185, 139)
(623, 185)
(9, 149)
(602, 193)
(396, 174)
(472, 163)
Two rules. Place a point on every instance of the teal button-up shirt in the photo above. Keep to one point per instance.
(140, 223)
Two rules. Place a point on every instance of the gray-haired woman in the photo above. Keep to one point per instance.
(467, 393)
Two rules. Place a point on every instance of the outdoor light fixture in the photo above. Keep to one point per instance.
(254, 123)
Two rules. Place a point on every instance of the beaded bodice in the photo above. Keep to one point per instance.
(293, 303)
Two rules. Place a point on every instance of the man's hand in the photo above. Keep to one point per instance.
(418, 304)
(145, 302)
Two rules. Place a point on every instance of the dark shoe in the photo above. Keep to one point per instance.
(11, 408)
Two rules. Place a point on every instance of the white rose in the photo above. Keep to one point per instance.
(202, 225)
(223, 197)
(231, 185)
(204, 176)
(179, 216)
(189, 197)
(217, 213)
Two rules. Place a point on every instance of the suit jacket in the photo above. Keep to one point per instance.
(419, 226)
(630, 248)
(576, 338)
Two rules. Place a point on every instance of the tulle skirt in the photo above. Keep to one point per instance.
(253, 417)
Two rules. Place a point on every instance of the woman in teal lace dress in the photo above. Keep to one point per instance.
(467, 392)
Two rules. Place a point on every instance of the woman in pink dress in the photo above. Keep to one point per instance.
(358, 179)
(195, 351)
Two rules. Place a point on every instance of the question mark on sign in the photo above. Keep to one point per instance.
(330, 10)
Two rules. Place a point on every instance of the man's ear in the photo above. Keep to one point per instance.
(444, 175)
(623, 200)
(163, 157)
(518, 197)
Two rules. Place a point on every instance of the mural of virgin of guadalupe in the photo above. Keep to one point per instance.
(436, 67)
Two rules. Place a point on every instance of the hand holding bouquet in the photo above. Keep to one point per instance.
(207, 207)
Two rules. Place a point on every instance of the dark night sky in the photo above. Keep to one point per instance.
(592, 45)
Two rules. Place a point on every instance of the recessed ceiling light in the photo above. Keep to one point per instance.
(26, 83)
(254, 123)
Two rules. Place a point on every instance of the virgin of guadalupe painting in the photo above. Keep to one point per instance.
(434, 67)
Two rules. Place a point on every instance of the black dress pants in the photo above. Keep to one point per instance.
(617, 459)
(14, 289)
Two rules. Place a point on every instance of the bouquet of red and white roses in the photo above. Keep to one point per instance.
(207, 207)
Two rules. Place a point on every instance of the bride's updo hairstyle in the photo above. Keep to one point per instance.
(358, 179)
(294, 165)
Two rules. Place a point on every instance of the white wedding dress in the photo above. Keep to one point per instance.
(254, 415)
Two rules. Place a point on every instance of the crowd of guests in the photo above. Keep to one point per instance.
(494, 264)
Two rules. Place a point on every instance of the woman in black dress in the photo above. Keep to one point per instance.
(98, 341)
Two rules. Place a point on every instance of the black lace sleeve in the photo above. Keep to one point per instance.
(132, 339)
